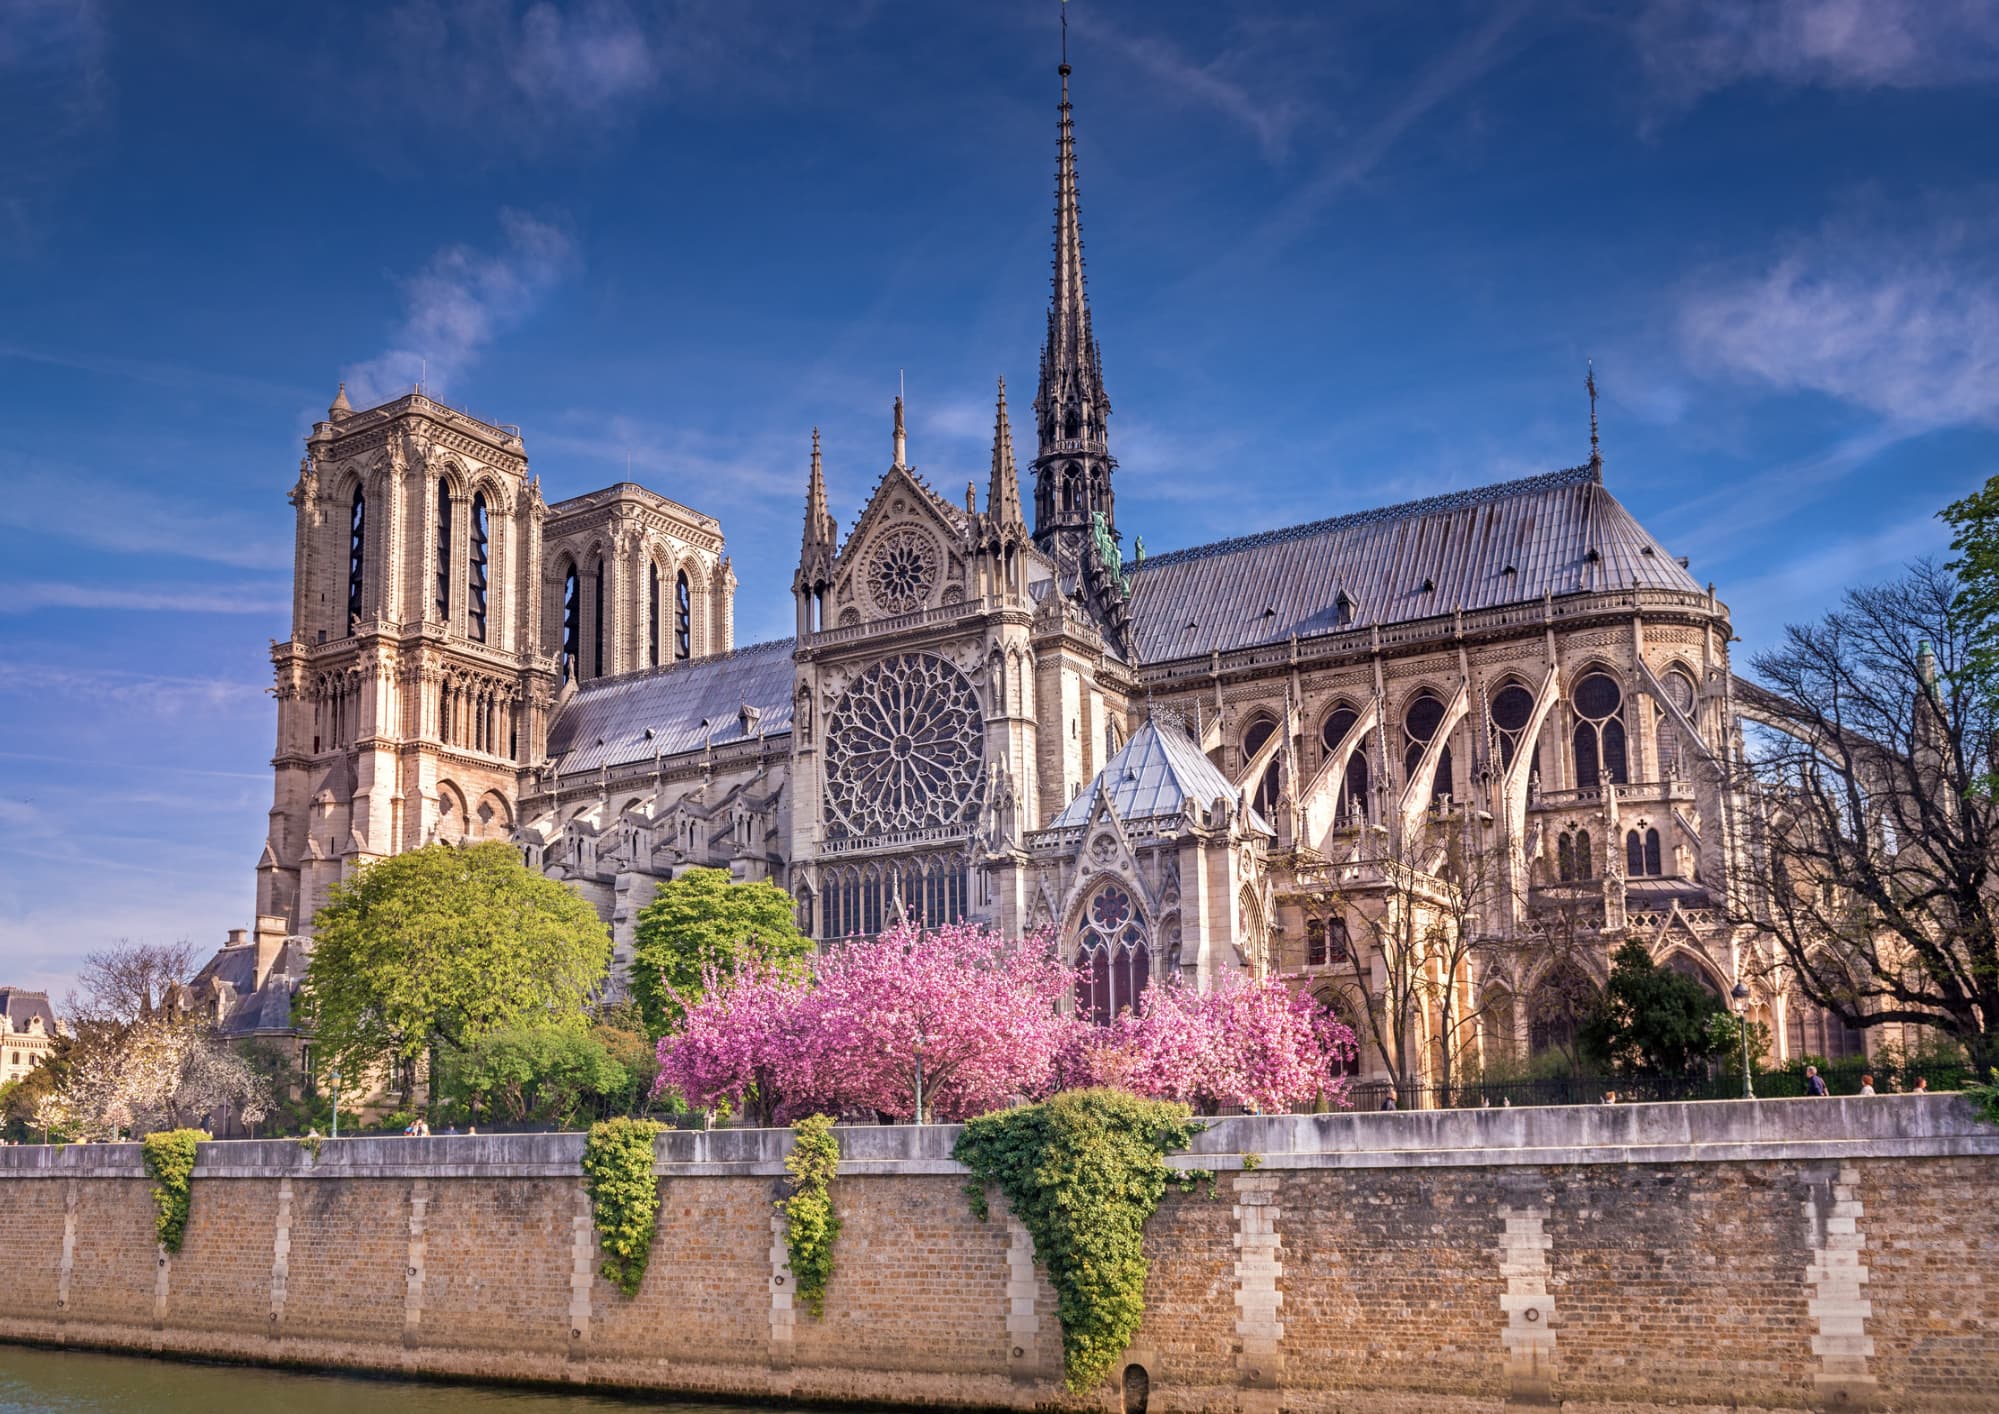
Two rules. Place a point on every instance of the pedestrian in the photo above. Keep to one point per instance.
(1866, 1084)
(1814, 1082)
(1922, 1085)
(1610, 1097)
(1388, 1102)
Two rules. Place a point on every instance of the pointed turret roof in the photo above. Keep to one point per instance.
(1071, 363)
(1153, 776)
(820, 528)
(341, 407)
(1003, 491)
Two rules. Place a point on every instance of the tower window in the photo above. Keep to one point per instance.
(357, 550)
(597, 621)
(683, 617)
(1642, 854)
(652, 611)
(444, 549)
(477, 579)
(572, 625)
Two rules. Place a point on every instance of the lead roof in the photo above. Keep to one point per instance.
(616, 721)
(1511, 542)
(1152, 776)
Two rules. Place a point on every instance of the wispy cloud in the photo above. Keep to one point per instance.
(24, 598)
(460, 302)
(1905, 327)
(52, 76)
(179, 377)
(1691, 48)
(1254, 82)
(154, 692)
(74, 505)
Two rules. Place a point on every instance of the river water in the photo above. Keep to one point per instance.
(77, 1382)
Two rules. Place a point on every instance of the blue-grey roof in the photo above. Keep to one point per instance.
(21, 1006)
(634, 717)
(1154, 775)
(1511, 542)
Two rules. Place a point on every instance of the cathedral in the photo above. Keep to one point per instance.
(1507, 709)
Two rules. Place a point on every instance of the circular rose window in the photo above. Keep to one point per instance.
(905, 749)
(902, 568)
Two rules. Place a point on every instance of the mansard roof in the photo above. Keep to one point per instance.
(1153, 775)
(1512, 542)
(616, 721)
(21, 1007)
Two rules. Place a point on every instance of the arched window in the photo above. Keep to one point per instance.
(476, 598)
(1512, 709)
(1556, 1006)
(1585, 855)
(444, 549)
(1113, 956)
(572, 625)
(652, 612)
(1419, 725)
(1254, 740)
(1565, 857)
(597, 620)
(1340, 1009)
(1599, 738)
(357, 555)
(1641, 854)
(1680, 692)
(683, 617)
(1687, 966)
(1812, 1030)
(1333, 732)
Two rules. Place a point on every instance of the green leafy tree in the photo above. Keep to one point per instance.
(425, 953)
(535, 1074)
(702, 924)
(1650, 1020)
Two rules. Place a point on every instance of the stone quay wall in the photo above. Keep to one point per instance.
(1784, 1254)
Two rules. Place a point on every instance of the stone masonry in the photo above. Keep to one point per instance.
(1782, 1254)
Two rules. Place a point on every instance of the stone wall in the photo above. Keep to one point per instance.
(1792, 1253)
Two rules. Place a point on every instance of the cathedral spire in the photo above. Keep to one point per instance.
(818, 520)
(901, 439)
(1072, 464)
(1003, 492)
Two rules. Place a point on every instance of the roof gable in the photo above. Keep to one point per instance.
(1154, 774)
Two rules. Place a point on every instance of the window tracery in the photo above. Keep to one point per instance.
(683, 617)
(1512, 710)
(861, 899)
(905, 750)
(1254, 740)
(444, 548)
(902, 570)
(1113, 955)
(1599, 734)
(1420, 723)
(572, 625)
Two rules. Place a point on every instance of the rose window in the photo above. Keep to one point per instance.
(905, 749)
(901, 570)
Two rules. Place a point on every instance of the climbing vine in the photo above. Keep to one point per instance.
(169, 1156)
(811, 1225)
(624, 1196)
(1083, 1172)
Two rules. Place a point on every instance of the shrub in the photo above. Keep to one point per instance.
(624, 1196)
(1083, 1171)
(811, 1225)
(169, 1156)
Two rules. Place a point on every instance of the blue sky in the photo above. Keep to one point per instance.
(1340, 255)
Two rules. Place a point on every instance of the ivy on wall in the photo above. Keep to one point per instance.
(1083, 1171)
(811, 1225)
(624, 1196)
(169, 1157)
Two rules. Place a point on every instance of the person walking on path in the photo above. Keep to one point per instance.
(1814, 1082)
(1866, 1084)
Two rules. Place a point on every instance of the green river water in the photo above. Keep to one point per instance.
(77, 1382)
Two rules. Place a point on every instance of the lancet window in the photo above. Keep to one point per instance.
(1113, 956)
(481, 548)
(683, 617)
(1575, 857)
(652, 614)
(443, 597)
(357, 554)
(572, 625)
(597, 620)
(1333, 732)
(1254, 740)
(1641, 854)
(861, 899)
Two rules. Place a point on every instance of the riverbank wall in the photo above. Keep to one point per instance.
(1780, 1254)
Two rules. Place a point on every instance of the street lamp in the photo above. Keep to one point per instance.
(1741, 994)
(333, 1079)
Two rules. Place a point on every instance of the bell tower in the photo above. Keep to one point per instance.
(1072, 463)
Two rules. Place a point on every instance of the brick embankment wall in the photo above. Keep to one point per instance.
(1786, 1254)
